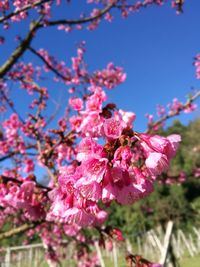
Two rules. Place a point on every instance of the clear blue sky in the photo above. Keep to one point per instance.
(154, 46)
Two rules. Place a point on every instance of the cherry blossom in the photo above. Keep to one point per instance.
(92, 155)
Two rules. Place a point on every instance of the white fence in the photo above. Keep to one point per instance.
(181, 243)
(29, 256)
(32, 256)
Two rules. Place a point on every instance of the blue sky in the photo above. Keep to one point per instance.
(154, 46)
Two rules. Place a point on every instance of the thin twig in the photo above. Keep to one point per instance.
(20, 229)
(10, 104)
(174, 113)
(80, 21)
(60, 75)
(23, 9)
(6, 179)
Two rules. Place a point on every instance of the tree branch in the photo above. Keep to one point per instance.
(35, 26)
(80, 21)
(60, 75)
(15, 153)
(174, 113)
(20, 49)
(21, 229)
(6, 179)
(10, 104)
(30, 146)
(23, 9)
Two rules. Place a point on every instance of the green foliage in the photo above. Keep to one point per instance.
(190, 262)
(188, 155)
(14, 241)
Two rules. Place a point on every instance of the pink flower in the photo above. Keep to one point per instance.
(87, 147)
(112, 128)
(165, 145)
(175, 106)
(156, 163)
(127, 117)
(75, 122)
(182, 177)
(197, 65)
(174, 140)
(160, 111)
(124, 154)
(120, 186)
(93, 103)
(94, 168)
(29, 165)
(154, 143)
(91, 124)
(197, 172)
(191, 107)
(71, 230)
(100, 217)
(150, 118)
(117, 233)
(89, 189)
(76, 103)
(70, 207)
(98, 93)
(113, 183)
(128, 195)
(78, 216)
(110, 77)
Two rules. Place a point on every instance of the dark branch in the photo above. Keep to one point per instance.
(34, 27)
(6, 179)
(19, 50)
(23, 9)
(11, 105)
(60, 75)
(15, 153)
(80, 21)
(11, 154)
(21, 229)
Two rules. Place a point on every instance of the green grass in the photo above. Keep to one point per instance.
(185, 262)
(190, 262)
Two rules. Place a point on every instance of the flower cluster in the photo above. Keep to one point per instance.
(121, 169)
(23, 196)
